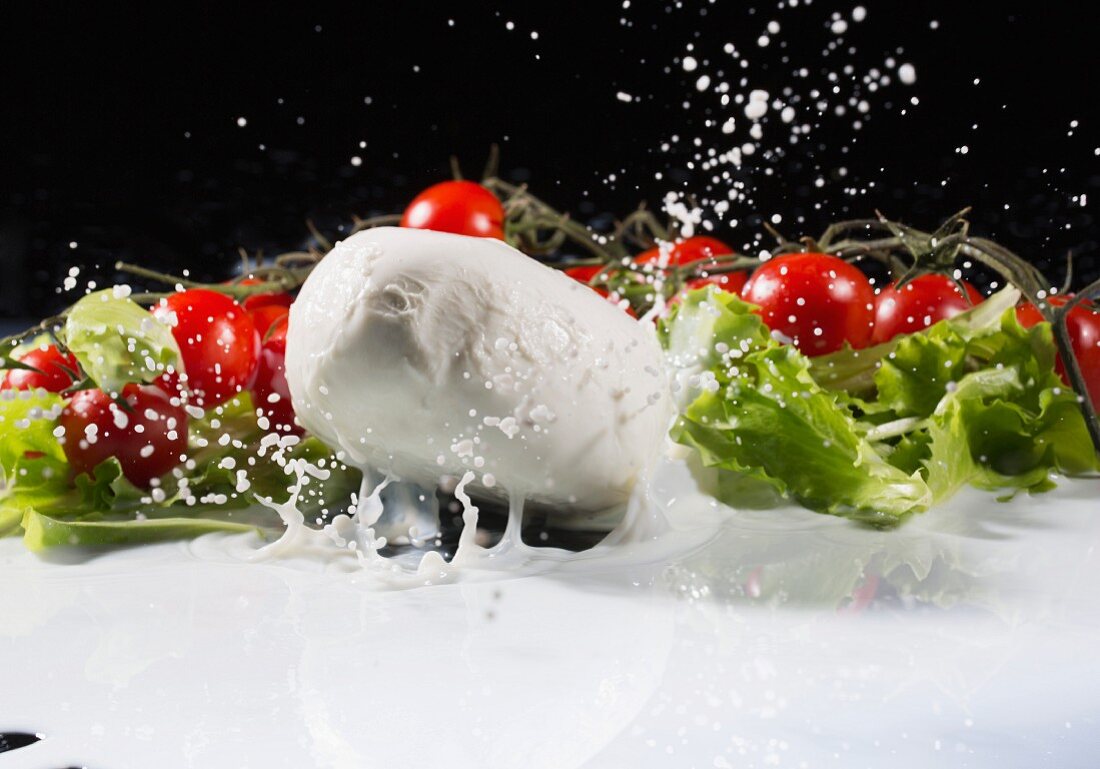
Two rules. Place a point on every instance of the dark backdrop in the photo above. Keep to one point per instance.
(119, 123)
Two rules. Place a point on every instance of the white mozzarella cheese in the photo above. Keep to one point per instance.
(430, 354)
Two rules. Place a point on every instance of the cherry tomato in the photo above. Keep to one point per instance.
(267, 316)
(817, 301)
(1084, 332)
(919, 304)
(218, 342)
(270, 392)
(462, 207)
(147, 436)
(732, 282)
(51, 375)
(584, 273)
(270, 299)
(695, 249)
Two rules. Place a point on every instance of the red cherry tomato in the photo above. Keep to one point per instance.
(271, 299)
(817, 301)
(1084, 332)
(695, 249)
(584, 273)
(267, 316)
(919, 304)
(732, 282)
(270, 392)
(53, 371)
(147, 436)
(462, 207)
(218, 342)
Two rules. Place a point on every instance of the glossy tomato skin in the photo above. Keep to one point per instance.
(1028, 315)
(919, 304)
(218, 342)
(817, 301)
(1084, 332)
(461, 207)
(699, 248)
(733, 282)
(270, 392)
(584, 273)
(688, 251)
(265, 317)
(148, 436)
(271, 299)
(51, 375)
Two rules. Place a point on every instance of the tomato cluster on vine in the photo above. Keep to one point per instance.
(816, 301)
(226, 347)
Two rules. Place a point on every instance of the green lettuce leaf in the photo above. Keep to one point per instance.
(209, 493)
(755, 409)
(117, 341)
(27, 421)
(913, 379)
(996, 415)
(32, 463)
(44, 531)
(853, 371)
(33, 482)
(973, 400)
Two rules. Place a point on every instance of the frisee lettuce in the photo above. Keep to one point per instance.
(968, 401)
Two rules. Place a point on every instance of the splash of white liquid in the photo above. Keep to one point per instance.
(468, 551)
(644, 535)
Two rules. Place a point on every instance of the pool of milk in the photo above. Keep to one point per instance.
(970, 637)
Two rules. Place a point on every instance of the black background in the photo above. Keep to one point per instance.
(119, 126)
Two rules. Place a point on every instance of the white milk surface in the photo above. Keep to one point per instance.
(970, 638)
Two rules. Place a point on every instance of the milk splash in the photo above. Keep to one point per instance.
(649, 531)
